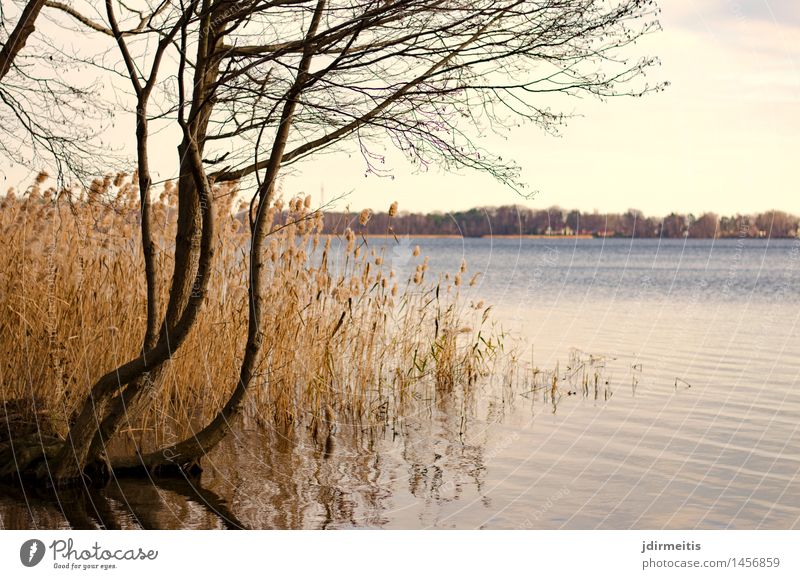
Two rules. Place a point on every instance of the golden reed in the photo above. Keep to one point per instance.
(345, 338)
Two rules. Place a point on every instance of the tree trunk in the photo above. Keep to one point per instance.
(120, 406)
(70, 462)
(187, 453)
(19, 36)
(131, 401)
(102, 417)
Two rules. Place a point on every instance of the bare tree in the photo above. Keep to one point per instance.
(260, 85)
(50, 116)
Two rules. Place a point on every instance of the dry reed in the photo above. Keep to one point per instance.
(344, 338)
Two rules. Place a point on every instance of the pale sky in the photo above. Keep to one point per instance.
(724, 137)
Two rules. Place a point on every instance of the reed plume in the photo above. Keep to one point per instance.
(344, 339)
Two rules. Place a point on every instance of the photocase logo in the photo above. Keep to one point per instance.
(32, 552)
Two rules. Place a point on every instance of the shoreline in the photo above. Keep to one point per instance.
(537, 236)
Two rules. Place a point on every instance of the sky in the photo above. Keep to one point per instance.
(723, 137)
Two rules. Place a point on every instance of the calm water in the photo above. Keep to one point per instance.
(703, 357)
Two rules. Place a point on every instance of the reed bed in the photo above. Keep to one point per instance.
(345, 338)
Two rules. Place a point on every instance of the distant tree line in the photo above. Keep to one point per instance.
(515, 220)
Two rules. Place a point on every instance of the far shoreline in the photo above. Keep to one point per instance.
(540, 236)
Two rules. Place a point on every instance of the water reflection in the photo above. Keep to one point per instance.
(165, 503)
(287, 480)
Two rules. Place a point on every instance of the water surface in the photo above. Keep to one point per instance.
(700, 339)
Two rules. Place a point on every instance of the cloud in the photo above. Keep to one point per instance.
(692, 14)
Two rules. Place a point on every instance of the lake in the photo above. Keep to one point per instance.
(697, 427)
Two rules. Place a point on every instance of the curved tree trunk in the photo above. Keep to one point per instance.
(132, 400)
(70, 462)
(107, 428)
(187, 453)
(102, 413)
